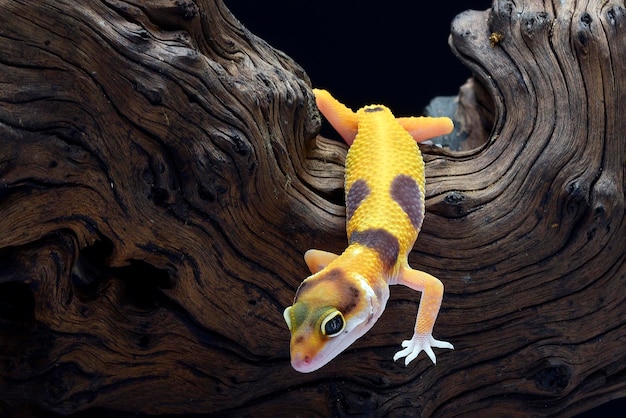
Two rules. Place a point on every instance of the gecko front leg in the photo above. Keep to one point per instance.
(432, 294)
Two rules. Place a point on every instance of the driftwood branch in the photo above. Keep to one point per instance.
(161, 177)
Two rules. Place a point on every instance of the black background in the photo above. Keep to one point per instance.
(394, 52)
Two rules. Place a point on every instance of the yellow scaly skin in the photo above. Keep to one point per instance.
(384, 183)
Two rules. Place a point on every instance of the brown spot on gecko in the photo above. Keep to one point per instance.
(380, 240)
(373, 109)
(357, 193)
(353, 300)
(406, 192)
(334, 275)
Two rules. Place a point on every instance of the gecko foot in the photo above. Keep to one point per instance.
(419, 343)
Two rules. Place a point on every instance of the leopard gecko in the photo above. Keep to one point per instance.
(384, 185)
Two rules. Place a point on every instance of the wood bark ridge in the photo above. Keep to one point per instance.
(161, 178)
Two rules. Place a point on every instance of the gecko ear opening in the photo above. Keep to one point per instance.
(333, 324)
(287, 316)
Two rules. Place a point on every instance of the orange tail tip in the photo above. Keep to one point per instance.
(342, 118)
(424, 128)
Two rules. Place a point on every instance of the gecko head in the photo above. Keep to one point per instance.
(328, 316)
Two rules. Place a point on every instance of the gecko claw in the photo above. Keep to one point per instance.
(419, 343)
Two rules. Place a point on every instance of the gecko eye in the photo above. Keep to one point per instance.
(333, 324)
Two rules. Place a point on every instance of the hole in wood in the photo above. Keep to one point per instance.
(142, 281)
(473, 113)
(16, 302)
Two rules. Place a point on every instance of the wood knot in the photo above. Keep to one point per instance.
(454, 198)
(452, 205)
(614, 14)
(553, 378)
(534, 21)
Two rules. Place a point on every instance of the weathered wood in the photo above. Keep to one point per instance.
(160, 179)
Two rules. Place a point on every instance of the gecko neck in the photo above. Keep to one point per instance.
(364, 262)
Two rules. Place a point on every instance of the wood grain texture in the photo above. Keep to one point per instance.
(161, 177)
